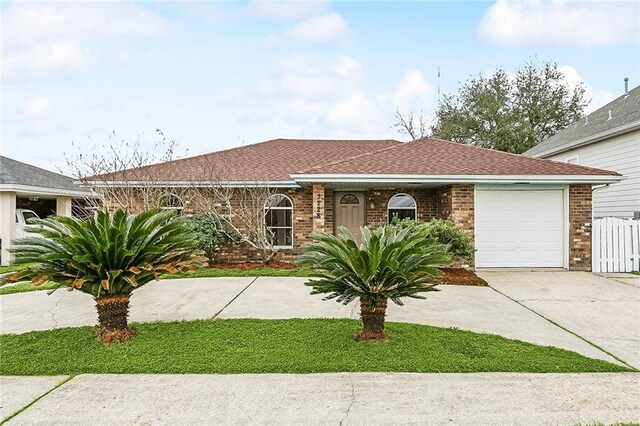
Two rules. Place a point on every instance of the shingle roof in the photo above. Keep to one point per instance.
(273, 161)
(276, 160)
(433, 157)
(14, 172)
(625, 111)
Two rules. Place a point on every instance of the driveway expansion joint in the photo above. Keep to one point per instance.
(565, 329)
(234, 298)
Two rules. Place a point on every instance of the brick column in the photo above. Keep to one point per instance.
(318, 208)
(459, 203)
(463, 206)
(580, 216)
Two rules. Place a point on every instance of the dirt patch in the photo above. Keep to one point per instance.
(247, 266)
(461, 276)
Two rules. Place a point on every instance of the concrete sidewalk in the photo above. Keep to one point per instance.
(343, 398)
(478, 309)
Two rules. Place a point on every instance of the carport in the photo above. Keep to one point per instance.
(25, 186)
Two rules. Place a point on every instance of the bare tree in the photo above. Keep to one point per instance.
(241, 205)
(412, 124)
(117, 172)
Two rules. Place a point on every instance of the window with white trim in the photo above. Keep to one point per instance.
(402, 206)
(171, 202)
(278, 220)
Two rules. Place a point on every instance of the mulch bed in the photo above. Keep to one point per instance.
(247, 266)
(461, 276)
(451, 276)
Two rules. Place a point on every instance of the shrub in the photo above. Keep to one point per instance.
(444, 231)
(390, 263)
(210, 233)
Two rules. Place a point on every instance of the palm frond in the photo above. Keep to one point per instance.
(108, 254)
(389, 263)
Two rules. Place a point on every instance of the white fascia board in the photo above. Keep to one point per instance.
(192, 184)
(608, 134)
(38, 190)
(444, 179)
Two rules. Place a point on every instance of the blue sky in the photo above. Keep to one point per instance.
(214, 75)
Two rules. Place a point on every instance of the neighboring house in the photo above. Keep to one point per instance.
(608, 138)
(23, 186)
(522, 212)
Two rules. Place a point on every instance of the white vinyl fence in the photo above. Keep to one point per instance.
(615, 245)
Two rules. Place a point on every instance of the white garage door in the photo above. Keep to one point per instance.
(519, 229)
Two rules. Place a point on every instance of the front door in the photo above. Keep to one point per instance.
(350, 212)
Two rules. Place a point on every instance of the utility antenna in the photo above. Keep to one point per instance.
(438, 83)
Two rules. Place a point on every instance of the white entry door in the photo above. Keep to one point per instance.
(520, 228)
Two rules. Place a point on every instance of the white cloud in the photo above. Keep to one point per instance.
(41, 59)
(315, 98)
(412, 89)
(320, 29)
(287, 9)
(356, 112)
(306, 78)
(598, 97)
(347, 67)
(41, 38)
(37, 109)
(560, 22)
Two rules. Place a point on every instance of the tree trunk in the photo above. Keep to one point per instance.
(112, 318)
(372, 321)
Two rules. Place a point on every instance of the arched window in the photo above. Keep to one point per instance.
(349, 199)
(278, 220)
(171, 202)
(402, 206)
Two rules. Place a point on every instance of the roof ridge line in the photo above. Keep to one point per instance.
(353, 157)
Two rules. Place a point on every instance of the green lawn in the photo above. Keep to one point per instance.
(25, 286)
(636, 272)
(280, 346)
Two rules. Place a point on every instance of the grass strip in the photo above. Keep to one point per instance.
(230, 346)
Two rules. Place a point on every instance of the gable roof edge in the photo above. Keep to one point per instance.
(598, 137)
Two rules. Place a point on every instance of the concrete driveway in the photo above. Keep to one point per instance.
(480, 309)
(604, 310)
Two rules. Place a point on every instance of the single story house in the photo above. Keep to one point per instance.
(521, 211)
(23, 186)
(608, 138)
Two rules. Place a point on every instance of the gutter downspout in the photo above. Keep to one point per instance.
(593, 189)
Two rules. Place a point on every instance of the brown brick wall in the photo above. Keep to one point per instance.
(378, 199)
(580, 216)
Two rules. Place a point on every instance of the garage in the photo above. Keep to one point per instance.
(520, 228)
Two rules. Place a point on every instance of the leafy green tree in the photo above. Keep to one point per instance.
(389, 263)
(210, 233)
(445, 231)
(108, 257)
(510, 112)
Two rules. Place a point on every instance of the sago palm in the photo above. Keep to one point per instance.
(389, 263)
(108, 257)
